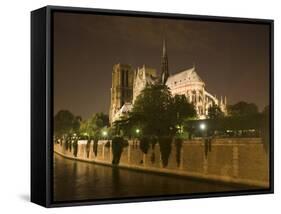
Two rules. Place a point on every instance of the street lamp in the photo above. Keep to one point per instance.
(137, 131)
(202, 126)
(104, 133)
(179, 129)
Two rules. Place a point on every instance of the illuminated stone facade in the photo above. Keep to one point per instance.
(121, 90)
(189, 83)
(143, 76)
(128, 84)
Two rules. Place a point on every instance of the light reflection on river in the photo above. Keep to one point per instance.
(75, 180)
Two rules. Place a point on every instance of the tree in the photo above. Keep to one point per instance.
(182, 109)
(65, 122)
(157, 113)
(100, 120)
(93, 126)
(214, 112)
(151, 110)
(243, 109)
(76, 124)
(122, 126)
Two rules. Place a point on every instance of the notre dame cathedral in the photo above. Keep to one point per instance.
(127, 84)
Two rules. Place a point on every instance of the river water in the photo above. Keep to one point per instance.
(76, 180)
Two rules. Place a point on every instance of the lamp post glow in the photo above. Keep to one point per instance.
(179, 129)
(202, 126)
(137, 131)
(104, 133)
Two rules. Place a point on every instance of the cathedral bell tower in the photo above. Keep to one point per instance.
(121, 89)
(164, 64)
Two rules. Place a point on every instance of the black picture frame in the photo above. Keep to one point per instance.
(42, 104)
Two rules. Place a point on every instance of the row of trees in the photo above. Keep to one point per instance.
(158, 117)
(240, 109)
(241, 116)
(66, 123)
(155, 113)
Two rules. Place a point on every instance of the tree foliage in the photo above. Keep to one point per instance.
(182, 109)
(243, 109)
(65, 122)
(151, 110)
(94, 125)
(214, 112)
(157, 113)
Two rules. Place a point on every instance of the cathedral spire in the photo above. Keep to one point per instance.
(164, 63)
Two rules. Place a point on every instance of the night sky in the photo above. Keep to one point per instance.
(232, 59)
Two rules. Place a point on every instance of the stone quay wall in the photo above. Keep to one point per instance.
(237, 161)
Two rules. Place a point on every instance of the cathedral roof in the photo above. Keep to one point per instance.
(127, 107)
(189, 75)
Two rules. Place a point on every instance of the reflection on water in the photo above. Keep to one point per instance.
(75, 180)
